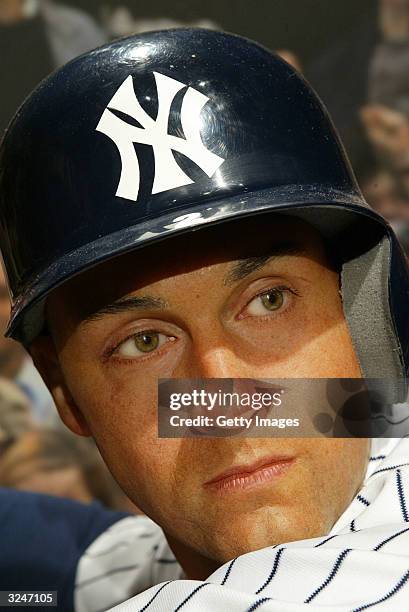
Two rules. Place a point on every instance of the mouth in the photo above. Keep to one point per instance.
(242, 477)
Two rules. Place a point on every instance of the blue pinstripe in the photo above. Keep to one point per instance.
(258, 603)
(391, 593)
(395, 535)
(227, 574)
(192, 594)
(401, 494)
(146, 606)
(331, 575)
(362, 499)
(273, 571)
(326, 540)
(387, 469)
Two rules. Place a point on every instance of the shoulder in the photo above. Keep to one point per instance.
(128, 558)
(43, 539)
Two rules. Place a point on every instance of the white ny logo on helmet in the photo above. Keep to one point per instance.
(168, 173)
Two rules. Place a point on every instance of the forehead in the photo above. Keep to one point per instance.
(219, 246)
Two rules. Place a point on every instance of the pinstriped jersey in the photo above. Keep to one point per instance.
(362, 563)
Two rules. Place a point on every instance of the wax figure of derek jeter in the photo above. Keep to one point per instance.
(178, 205)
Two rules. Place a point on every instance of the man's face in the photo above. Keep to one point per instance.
(256, 299)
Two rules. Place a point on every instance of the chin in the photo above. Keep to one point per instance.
(245, 533)
(263, 528)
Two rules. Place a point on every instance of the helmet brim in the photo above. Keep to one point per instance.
(310, 203)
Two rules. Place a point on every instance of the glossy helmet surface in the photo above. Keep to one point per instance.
(153, 135)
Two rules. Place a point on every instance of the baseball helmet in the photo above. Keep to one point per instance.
(167, 132)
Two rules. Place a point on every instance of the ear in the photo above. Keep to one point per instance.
(45, 358)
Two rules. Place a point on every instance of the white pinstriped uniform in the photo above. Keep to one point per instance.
(363, 563)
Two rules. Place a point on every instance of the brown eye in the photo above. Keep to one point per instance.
(147, 342)
(270, 301)
(273, 300)
(142, 343)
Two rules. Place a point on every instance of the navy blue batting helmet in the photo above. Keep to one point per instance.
(157, 134)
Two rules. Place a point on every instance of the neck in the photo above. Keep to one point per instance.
(194, 565)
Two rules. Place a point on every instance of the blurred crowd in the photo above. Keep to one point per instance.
(364, 82)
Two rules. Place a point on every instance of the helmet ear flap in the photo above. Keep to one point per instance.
(366, 302)
(374, 283)
(367, 296)
(399, 295)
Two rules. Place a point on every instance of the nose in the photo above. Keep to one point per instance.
(217, 362)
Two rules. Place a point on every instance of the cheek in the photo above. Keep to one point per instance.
(144, 467)
(329, 355)
(123, 420)
(115, 399)
(313, 342)
(345, 462)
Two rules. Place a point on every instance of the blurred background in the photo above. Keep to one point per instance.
(355, 54)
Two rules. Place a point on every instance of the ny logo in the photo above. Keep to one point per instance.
(168, 173)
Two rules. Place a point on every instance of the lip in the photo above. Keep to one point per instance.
(241, 477)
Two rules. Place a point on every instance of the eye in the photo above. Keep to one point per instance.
(270, 301)
(142, 343)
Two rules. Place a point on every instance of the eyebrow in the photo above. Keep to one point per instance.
(247, 266)
(240, 270)
(125, 305)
